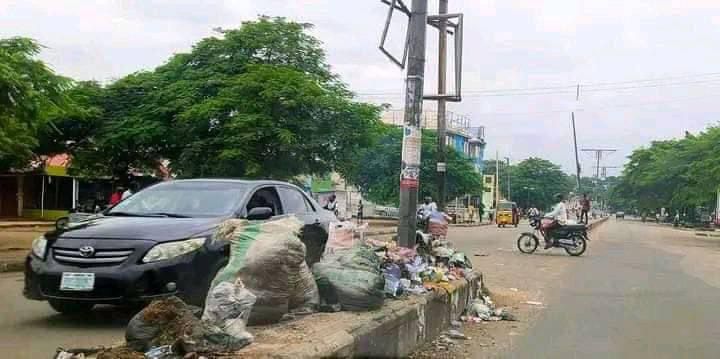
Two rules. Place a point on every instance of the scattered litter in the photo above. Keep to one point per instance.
(162, 352)
(120, 353)
(481, 254)
(480, 310)
(533, 302)
(169, 321)
(504, 314)
(456, 334)
(513, 289)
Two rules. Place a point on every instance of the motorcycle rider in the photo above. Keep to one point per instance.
(559, 214)
(427, 207)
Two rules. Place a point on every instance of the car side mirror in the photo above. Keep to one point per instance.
(259, 213)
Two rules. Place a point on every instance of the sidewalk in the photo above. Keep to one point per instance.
(15, 243)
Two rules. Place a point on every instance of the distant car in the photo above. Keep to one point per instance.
(158, 243)
(620, 214)
(384, 211)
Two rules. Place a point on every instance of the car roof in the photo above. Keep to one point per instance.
(232, 180)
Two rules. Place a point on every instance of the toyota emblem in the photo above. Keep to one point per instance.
(87, 251)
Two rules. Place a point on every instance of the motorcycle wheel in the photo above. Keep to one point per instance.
(527, 243)
(579, 248)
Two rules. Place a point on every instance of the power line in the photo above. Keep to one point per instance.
(592, 87)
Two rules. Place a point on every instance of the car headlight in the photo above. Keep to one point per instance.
(39, 247)
(174, 249)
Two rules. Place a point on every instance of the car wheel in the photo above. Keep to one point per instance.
(69, 307)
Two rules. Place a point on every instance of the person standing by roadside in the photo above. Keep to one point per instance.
(584, 208)
(360, 212)
(128, 192)
(331, 204)
(117, 196)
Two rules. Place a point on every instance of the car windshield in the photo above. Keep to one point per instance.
(183, 199)
(505, 206)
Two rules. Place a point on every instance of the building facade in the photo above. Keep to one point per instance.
(464, 138)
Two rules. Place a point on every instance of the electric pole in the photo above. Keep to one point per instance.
(577, 157)
(410, 167)
(598, 157)
(441, 106)
(507, 169)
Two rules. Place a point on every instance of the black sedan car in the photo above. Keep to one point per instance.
(159, 242)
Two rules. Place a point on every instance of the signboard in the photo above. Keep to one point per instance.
(411, 147)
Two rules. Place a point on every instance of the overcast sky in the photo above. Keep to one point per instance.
(509, 44)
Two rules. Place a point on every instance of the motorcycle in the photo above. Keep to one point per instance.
(572, 237)
(427, 233)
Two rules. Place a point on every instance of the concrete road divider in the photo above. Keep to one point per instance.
(395, 330)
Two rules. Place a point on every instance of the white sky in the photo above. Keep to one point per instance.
(508, 44)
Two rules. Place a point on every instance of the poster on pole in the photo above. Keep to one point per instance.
(411, 147)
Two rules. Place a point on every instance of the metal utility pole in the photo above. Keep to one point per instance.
(410, 167)
(441, 106)
(497, 178)
(577, 157)
(507, 169)
(598, 156)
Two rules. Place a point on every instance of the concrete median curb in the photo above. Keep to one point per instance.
(396, 330)
(592, 226)
(14, 266)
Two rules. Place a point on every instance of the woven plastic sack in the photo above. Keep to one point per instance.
(269, 259)
(228, 306)
(351, 277)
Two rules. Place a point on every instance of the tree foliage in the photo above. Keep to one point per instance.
(377, 174)
(29, 92)
(676, 173)
(257, 101)
(535, 182)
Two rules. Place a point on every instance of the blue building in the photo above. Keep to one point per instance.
(467, 140)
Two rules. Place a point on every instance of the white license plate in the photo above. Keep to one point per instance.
(77, 281)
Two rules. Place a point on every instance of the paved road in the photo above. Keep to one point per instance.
(32, 330)
(644, 292)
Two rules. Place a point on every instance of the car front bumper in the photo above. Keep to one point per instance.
(117, 284)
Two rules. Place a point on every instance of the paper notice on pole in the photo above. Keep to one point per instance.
(411, 146)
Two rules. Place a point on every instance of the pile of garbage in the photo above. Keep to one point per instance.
(483, 308)
(269, 260)
(407, 271)
(267, 280)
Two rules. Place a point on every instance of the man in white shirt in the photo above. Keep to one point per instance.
(428, 207)
(128, 192)
(560, 215)
(559, 212)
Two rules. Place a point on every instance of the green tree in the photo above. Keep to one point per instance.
(535, 182)
(378, 173)
(74, 125)
(29, 92)
(257, 101)
(675, 174)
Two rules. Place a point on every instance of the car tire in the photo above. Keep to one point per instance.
(70, 307)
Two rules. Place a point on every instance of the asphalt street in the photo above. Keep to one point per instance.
(32, 330)
(641, 291)
(635, 296)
